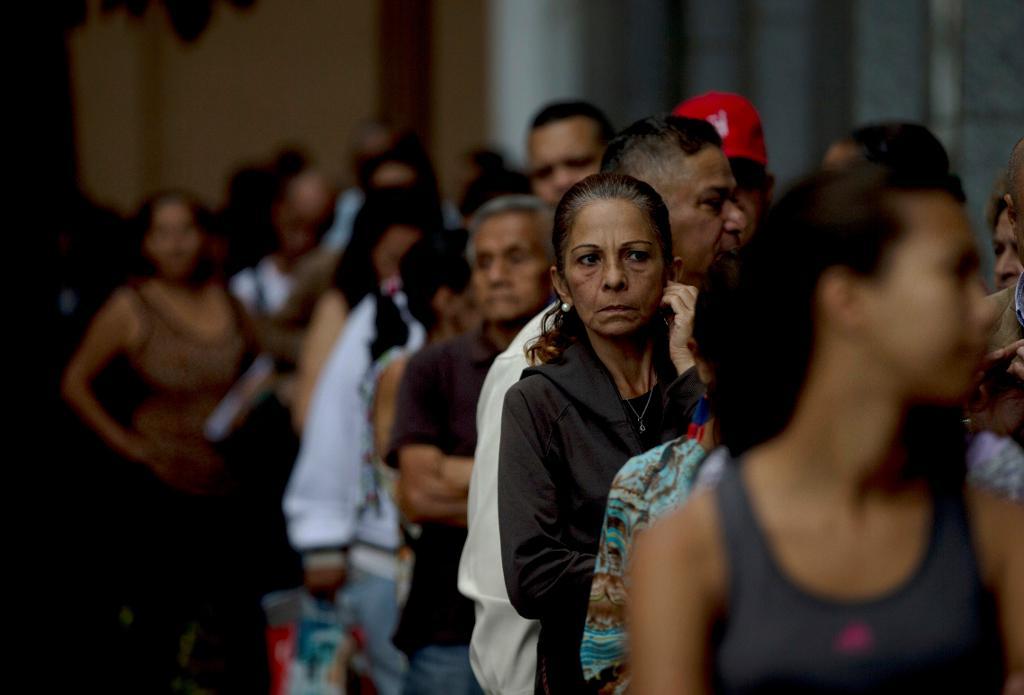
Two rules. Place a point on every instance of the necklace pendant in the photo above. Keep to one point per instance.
(643, 427)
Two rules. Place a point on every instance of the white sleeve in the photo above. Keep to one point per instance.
(242, 286)
(324, 495)
(503, 649)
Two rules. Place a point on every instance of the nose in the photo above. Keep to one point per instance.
(1007, 264)
(496, 272)
(564, 179)
(735, 218)
(613, 277)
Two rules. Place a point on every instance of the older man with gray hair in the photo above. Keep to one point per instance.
(434, 435)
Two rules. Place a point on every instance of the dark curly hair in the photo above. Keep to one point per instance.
(142, 222)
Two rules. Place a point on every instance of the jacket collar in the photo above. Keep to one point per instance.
(585, 381)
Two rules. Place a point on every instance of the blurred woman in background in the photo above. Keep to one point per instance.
(187, 341)
(341, 515)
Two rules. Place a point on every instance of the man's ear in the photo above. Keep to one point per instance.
(559, 286)
(676, 272)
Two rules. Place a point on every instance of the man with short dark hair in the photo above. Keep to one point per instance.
(682, 159)
(739, 125)
(434, 436)
(565, 144)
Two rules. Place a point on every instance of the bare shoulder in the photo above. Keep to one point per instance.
(391, 377)
(389, 381)
(989, 511)
(688, 538)
(677, 593)
(694, 526)
(996, 525)
(330, 309)
(118, 319)
(123, 301)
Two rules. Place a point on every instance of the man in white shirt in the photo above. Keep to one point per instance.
(565, 145)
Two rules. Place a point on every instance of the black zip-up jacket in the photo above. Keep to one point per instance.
(565, 433)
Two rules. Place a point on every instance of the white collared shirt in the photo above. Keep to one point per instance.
(503, 650)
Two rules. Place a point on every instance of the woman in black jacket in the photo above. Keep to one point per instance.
(615, 378)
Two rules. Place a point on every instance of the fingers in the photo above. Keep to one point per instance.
(1016, 367)
(682, 299)
(1004, 353)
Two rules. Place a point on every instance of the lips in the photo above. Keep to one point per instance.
(616, 309)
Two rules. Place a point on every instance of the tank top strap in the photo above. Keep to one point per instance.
(145, 312)
(952, 547)
(153, 314)
(746, 548)
(775, 632)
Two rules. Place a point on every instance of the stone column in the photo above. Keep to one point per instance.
(992, 115)
(535, 56)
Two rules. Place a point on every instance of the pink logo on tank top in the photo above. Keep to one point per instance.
(855, 638)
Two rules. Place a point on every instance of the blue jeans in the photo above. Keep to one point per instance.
(441, 669)
(370, 601)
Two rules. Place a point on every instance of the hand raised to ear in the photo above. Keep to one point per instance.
(1012, 354)
(682, 301)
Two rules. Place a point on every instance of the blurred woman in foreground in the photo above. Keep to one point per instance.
(840, 552)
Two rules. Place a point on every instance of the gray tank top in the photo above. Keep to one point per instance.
(935, 633)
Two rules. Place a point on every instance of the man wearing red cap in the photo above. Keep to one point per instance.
(739, 125)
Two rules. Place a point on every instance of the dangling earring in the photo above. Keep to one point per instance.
(565, 307)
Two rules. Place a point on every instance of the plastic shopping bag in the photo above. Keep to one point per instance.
(309, 648)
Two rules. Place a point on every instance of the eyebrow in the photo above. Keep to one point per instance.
(625, 243)
(720, 190)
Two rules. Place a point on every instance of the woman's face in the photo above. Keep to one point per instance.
(925, 318)
(393, 175)
(1004, 242)
(614, 270)
(389, 251)
(173, 242)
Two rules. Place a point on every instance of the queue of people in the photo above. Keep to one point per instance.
(635, 422)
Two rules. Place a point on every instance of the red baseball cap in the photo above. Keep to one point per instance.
(735, 119)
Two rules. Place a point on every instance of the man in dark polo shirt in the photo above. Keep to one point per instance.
(434, 436)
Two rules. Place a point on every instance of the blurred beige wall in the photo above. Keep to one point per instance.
(152, 111)
(459, 107)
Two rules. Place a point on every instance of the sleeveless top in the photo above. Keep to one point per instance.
(936, 632)
(185, 376)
